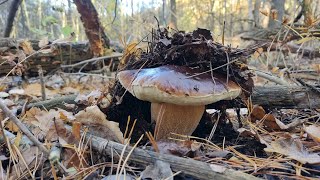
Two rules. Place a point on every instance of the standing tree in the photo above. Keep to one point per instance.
(12, 13)
(173, 14)
(95, 33)
(277, 9)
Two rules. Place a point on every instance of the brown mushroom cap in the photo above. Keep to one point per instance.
(178, 85)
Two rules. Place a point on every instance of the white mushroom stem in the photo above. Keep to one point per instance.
(171, 118)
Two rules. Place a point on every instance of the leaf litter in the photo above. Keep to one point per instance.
(268, 143)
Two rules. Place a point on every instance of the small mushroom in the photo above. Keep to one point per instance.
(178, 95)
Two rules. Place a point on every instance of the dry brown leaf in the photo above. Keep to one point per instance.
(65, 115)
(43, 42)
(274, 14)
(271, 123)
(90, 99)
(99, 125)
(12, 126)
(257, 53)
(76, 126)
(35, 90)
(264, 12)
(185, 148)
(314, 132)
(257, 113)
(294, 149)
(158, 170)
(27, 47)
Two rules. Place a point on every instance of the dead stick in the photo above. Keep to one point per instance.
(22, 127)
(197, 169)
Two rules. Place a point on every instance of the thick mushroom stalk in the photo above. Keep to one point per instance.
(172, 118)
(178, 95)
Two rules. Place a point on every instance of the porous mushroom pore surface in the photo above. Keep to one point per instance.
(178, 85)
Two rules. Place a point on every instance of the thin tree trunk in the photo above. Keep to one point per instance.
(277, 5)
(173, 13)
(256, 13)
(12, 13)
(93, 28)
(307, 12)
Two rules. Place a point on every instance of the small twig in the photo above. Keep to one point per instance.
(308, 85)
(43, 88)
(114, 55)
(3, 2)
(272, 78)
(22, 127)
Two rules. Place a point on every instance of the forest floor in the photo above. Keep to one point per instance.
(62, 111)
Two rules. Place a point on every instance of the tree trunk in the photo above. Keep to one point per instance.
(173, 14)
(277, 5)
(256, 13)
(162, 13)
(93, 28)
(307, 12)
(12, 13)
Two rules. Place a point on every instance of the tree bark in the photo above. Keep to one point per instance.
(256, 13)
(12, 13)
(307, 12)
(93, 28)
(277, 5)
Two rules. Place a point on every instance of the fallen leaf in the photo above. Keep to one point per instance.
(43, 42)
(76, 126)
(35, 90)
(257, 53)
(26, 46)
(90, 99)
(217, 168)
(157, 171)
(269, 121)
(294, 149)
(17, 92)
(185, 148)
(314, 132)
(99, 125)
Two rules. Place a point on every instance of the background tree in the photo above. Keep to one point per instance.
(12, 13)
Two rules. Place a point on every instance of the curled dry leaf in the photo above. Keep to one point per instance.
(313, 131)
(271, 123)
(27, 47)
(294, 149)
(43, 42)
(99, 125)
(185, 148)
(35, 90)
(158, 170)
(90, 99)
(251, 133)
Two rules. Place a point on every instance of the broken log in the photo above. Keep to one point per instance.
(281, 97)
(53, 57)
(286, 97)
(196, 169)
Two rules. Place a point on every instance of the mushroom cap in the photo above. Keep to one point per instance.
(178, 85)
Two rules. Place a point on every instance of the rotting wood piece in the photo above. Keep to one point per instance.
(196, 169)
(286, 97)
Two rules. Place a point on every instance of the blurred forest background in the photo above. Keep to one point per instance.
(134, 19)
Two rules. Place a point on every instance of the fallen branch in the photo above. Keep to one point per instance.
(196, 169)
(113, 55)
(285, 97)
(22, 127)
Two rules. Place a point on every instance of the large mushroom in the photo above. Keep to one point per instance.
(178, 95)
